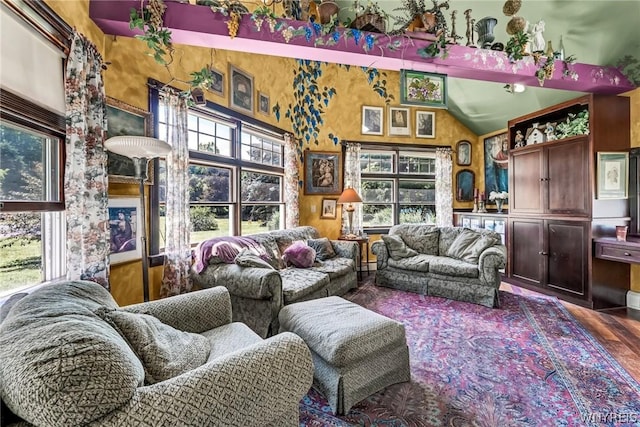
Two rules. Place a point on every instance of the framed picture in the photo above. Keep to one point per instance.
(399, 121)
(425, 89)
(322, 172)
(241, 90)
(465, 183)
(125, 224)
(124, 119)
(372, 120)
(263, 103)
(329, 207)
(425, 124)
(217, 82)
(463, 151)
(496, 164)
(613, 175)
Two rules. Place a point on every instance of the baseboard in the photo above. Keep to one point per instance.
(633, 300)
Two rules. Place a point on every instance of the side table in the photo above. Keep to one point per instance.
(363, 243)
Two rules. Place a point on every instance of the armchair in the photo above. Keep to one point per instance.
(65, 365)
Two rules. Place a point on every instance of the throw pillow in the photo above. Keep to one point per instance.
(473, 251)
(323, 247)
(425, 243)
(396, 247)
(164, 351)
(246, 258)
(299, 254)
(465, 239)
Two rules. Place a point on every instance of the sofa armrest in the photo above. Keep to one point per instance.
(379, 249)
(253, 386)
(347, 249)
(491, 260)
(195, 312)
(245, 282)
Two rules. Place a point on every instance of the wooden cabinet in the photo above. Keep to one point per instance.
(553, 210)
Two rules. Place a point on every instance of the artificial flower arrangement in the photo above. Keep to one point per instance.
(498, 195)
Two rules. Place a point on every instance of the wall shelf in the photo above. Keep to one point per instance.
(200, 26)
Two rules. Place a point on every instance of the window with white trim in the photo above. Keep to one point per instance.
(236, 176)
(398, 186)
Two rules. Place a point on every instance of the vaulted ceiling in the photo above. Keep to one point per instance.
(595, 32)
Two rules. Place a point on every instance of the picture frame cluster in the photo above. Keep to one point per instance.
(399, 122)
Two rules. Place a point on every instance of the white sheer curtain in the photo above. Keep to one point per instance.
(444, 192)
(176, 278)
(291, 177)
(353, 179)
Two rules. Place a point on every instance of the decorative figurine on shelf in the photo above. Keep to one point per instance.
(537, 40)
(550, 131)
(519, 140)
(454, 36)
(467, 14)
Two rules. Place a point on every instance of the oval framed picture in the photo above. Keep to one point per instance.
(463, 150)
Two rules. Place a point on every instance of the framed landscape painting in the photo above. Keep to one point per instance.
(124, 119)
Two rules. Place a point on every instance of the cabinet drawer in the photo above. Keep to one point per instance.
(618, 253)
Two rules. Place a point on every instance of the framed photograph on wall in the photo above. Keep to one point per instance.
(240, 90)
(125, 225)
(263, 103)
(425, 124)
(496, 165)
(424, 89)
(322, 172)
(463, 153)
(372, 120)
(399, 121)
(465, 184)
(613, 175)
(329, 208)
(124, 119)
(217, 82)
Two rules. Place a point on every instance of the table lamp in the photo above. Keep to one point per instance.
(140, 149)
(349, 196)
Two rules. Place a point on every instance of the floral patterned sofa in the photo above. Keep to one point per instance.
(258, 292)
(450, 262)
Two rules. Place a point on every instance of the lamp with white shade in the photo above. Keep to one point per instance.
(348, 197)
(140, 149)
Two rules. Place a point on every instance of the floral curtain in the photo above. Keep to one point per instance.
(177, 251)
(291, 177)
(444, 191)
(353, 179)
(85, 179)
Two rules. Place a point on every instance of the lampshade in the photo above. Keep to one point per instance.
(349, 195)
(137, 146)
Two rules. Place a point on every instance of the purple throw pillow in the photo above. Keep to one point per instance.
(299, 254)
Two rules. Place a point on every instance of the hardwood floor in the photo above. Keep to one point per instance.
(618, 330)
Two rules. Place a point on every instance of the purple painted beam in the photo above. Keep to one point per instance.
(199, 26)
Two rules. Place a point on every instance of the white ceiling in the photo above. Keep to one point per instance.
(594, 31)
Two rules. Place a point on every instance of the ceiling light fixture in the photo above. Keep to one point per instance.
(515, 87)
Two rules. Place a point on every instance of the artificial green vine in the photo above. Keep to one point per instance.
(158, 38)
(438, 48)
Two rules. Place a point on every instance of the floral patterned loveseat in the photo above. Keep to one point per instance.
(259, 292)
(450, 262)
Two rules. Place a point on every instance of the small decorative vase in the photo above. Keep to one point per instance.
(499, 203)
(485, 27)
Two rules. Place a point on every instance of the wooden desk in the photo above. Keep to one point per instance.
(363, 243)
(615, 250)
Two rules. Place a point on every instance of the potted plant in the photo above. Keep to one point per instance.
(369, 17)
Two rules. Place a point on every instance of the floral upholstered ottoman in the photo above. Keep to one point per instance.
(356, 352)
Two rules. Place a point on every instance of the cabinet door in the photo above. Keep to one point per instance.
(526, 258)
(567, 252)
(526, 171)
(567, 178)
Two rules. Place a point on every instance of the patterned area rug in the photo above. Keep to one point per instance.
(529, 363)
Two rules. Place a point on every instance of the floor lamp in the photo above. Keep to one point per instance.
(349, 196)
(140, 149)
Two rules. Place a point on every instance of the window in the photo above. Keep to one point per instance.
(236, 176)
(397, 187)
(32, 227)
